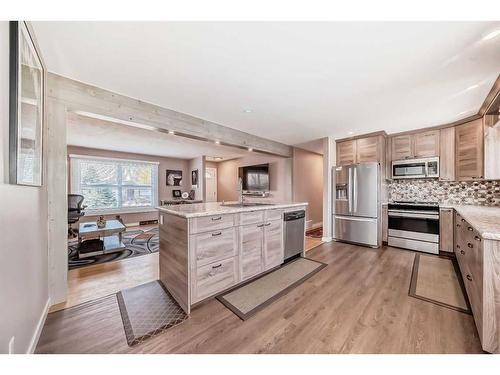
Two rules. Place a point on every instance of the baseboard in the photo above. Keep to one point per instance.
(308, 224)
(39, 328)
(319, 224)
(326, 239)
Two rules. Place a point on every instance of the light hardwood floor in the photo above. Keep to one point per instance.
(99, 280)
(359, 303)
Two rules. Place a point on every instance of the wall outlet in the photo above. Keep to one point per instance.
(11, 345)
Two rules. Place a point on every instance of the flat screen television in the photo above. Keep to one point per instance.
(255, 178)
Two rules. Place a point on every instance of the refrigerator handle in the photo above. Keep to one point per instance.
(349, 190)
(355, 190)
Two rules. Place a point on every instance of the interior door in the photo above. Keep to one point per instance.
(211, 184)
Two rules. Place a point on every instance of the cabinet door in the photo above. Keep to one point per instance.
(402, 147)
(447, 154)
(469, 151)
(273, 244)
(491, 147)
(446, 230)
(346, 152)
(426, 144)
(251, 249)
(368, 149)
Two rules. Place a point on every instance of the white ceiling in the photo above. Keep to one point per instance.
(88, 132)
(302, 81)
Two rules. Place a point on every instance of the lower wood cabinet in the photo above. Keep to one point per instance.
(261, 247)
(251, 250)
(446, 229)
(479, 263)
(215, 277)
(273, 244)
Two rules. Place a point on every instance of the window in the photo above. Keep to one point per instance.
(114, 185)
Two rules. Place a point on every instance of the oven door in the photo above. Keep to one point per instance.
(416, 169)
(422, 227)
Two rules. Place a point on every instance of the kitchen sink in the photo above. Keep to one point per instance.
(247, 204)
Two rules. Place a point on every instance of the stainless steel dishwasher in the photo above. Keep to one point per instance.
(294, 233)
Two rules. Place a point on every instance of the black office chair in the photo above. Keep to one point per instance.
(75, 211)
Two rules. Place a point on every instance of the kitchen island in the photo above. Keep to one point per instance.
(206, 248)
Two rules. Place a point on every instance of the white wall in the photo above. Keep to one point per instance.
(280, 171)
(23, 234)
(307, 184)
(199, 164)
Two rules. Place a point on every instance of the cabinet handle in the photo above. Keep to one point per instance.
(267, 224)
(470, 228)
(216, 218)
(216, 234)
(463, 220)
(260, 225)
(477, 238)
(217, 266)
(462, 252)
(469, 277)
(458, 246)
(470, 246)
(458, 225)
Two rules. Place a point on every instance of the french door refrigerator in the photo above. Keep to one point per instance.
(356, 204)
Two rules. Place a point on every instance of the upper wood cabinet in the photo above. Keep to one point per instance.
(361, 150)
(402, 147)
(346, 152)
(492, 147)
(426, 144)
(469, 145)
(368, 149)
(419, 145)
(447, 154)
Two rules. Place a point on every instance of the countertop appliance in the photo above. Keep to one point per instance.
(294, 228)
(416, 168)
(414, 225)
(356, 205)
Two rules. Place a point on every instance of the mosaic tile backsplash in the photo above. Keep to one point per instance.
(483, 193)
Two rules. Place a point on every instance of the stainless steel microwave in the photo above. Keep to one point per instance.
(416, 168)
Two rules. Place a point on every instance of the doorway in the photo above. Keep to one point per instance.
(211, 184)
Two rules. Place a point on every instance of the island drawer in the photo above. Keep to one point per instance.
(272, 215)
(210, 223)
(214, 278)
(251, 217)
(212, 246)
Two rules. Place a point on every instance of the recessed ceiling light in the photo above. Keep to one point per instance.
(472, 87)
(250, 149)
(247, 110)
(492, 35)
(171, 132)
(217, 142)
(464, 112)
(350, 132)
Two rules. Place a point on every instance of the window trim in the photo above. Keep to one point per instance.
(74, 187)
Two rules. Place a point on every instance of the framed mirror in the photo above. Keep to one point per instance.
(26, 115)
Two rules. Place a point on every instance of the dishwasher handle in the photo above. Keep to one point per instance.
(289, 216)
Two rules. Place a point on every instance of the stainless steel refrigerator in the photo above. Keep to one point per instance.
(356, 204)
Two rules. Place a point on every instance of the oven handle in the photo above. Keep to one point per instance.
(415, 216)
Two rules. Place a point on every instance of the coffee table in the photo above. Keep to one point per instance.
(110, 235)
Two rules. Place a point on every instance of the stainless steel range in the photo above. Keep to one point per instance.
(414, 225)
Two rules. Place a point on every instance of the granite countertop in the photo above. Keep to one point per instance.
(215, 208)
(485, 219)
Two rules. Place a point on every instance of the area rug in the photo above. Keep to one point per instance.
(315, 233)
(437, 280)
(137, 243)
(248, 299)
(148, 310)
